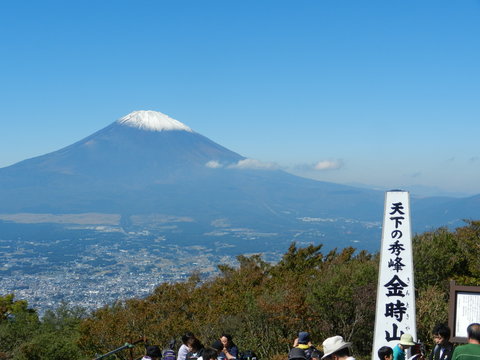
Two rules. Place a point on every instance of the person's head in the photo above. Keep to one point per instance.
(406, 341)
(385, 353)
(154, 352)
(303, 337)
(187, 336)
(296, 354)
(194, 344)
(473, 333)
(336, 348)
(441, 334)
(218, 346)
(227, 340)
(210, 354)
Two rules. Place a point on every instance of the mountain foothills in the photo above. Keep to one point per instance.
(148, 163)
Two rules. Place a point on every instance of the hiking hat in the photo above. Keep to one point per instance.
(303, 337)
(296, 353)
(407, 339)
(333, 344)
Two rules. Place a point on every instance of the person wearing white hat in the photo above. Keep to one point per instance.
(399, 351)
(335, 348)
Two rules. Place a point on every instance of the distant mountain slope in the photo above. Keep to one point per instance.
(125, 155)
(147, 163)
(443, 211)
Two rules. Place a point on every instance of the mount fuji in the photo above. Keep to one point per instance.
(148, 163)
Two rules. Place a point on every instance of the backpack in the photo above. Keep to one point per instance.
(308, 352)
(248, 355)
(168, 354)
(304, 353)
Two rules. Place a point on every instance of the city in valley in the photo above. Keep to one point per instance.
(61, 259)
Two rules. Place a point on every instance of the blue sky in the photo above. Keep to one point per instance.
(382, 93)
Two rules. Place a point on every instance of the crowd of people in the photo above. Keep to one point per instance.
(192, 349)
(333, 348)
(444, 349)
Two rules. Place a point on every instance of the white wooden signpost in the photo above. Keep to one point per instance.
(395, 310)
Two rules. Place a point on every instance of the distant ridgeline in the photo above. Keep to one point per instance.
(148, 163)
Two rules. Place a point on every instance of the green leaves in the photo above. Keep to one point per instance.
(23, 336)
(440, 256)
(10, 307)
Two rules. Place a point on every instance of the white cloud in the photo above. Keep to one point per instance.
(255, 164)
(328, 165)
(213, 164)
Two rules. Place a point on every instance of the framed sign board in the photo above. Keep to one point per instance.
(464, 309)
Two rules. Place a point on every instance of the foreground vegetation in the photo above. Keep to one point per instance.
(263, 305)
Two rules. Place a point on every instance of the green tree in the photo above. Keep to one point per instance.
(469, 244)
(343, 298)
(17, 323)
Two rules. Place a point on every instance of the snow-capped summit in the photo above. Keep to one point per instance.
(152, 121)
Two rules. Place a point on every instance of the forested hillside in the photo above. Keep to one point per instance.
(263, 305)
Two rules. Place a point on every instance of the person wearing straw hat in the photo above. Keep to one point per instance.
(399, 351)
(335, 348)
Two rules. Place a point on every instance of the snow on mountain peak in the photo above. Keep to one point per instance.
(152, 121)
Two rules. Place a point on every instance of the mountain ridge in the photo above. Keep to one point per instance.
(127, 170)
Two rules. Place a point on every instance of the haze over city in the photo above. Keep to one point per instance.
(383, 94)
